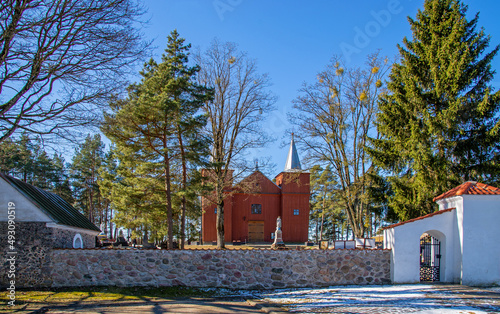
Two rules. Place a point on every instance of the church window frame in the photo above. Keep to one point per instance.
(256, 209)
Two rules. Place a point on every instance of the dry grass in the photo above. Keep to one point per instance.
(40, 298)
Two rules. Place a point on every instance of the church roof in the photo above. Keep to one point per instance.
(292, 161)
(52, 204)
(470, 188)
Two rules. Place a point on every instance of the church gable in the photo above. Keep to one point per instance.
(257, 183)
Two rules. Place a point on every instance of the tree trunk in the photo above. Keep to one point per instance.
(183, 222)
(322, 216)
(322, 222)
(317, 229)
(220, 226)
(168, 195)
(184, 185)
(106, 218)
(110, 222)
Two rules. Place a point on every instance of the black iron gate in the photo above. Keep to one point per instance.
(430, 258)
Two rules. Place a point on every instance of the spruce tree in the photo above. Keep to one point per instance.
(438, 124)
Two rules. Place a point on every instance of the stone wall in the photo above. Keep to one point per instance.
(63, 239)
(33, 247)
(235, 269)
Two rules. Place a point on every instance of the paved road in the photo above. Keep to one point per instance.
(390, 299)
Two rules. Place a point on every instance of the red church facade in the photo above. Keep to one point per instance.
(250, 216)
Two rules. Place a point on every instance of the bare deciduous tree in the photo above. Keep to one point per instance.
(336, 115)
(59, 58)
(242, 101)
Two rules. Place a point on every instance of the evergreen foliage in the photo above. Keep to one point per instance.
(326, 210)
(87, 160)
(438, 124)
(157, 135)
(26, 160)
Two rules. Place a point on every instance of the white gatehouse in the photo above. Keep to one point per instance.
(459, 243)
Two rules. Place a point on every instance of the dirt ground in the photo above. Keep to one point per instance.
(393, 299)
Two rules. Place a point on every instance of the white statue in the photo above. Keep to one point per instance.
(278, 237)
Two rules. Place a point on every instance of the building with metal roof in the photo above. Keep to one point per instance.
(32, 205)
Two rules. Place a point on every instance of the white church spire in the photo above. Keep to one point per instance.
(292, 161)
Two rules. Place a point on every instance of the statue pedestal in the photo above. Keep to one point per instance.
(278, 241)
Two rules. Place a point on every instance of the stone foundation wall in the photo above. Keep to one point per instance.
(235, 269)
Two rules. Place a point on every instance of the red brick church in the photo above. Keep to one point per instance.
(251, 216)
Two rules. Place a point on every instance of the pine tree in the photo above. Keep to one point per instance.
(86, 162)
(108, 176)
(24, 158)
(61, 179)
(438, 124)
(9, 157)
(189, 98)
(137, 195)
(325, 202)
(158, 126)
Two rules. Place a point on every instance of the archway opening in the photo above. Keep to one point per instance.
(77, 241)
(431, 256)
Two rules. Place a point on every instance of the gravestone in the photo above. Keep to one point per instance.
(146, 244)
(120, 241)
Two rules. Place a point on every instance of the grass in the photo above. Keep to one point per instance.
(41, 298)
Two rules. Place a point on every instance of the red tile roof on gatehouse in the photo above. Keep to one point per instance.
(439, 212)
(470, 188)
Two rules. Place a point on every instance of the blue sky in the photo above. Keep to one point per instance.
(292, 40)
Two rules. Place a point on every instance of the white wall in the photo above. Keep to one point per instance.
(470, 242)
(404, 242)
(25, 210)
(456, 252)
(481, 240)
(389, 244)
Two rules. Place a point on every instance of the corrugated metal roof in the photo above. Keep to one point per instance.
(292, 161)
(470, 188)
(53, 205)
